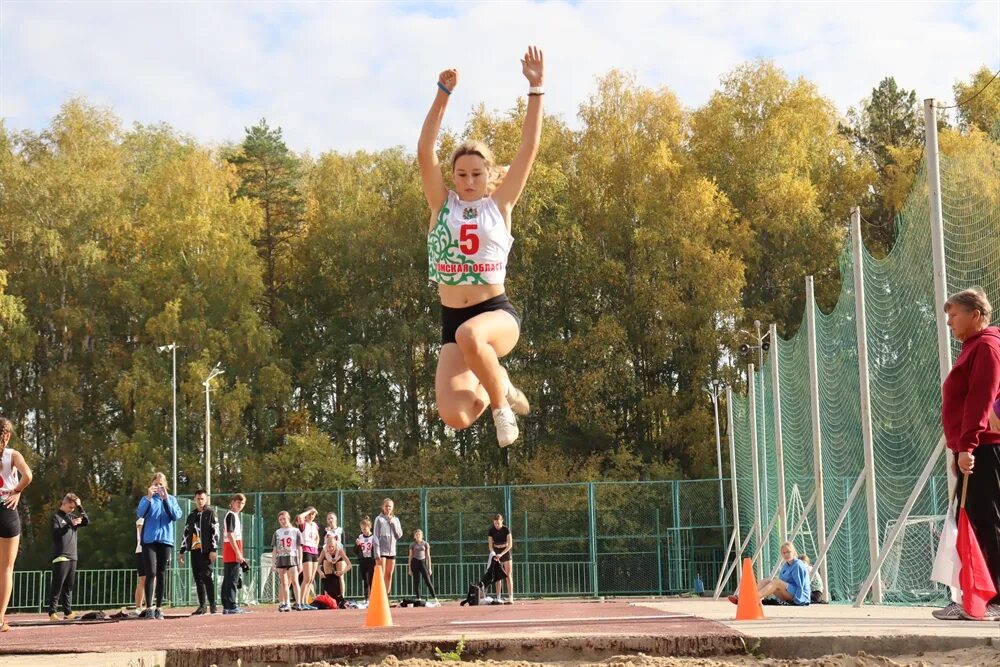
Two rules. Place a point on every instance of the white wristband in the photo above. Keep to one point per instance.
(536, 90)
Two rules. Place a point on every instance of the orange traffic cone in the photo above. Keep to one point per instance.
(378, 602)
(749, 607)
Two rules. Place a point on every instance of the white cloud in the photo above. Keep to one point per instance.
(346, 76)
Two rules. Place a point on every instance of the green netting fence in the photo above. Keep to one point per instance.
(905, 395)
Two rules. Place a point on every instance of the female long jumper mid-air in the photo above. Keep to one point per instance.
(467, 246)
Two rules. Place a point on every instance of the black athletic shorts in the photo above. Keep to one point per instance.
(10, 520)
(140, 565)
(453, 318)
(506, 557)
(309, 558)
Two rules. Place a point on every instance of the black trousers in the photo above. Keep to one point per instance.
(204, 578)
(420, 572)
(230, 575)
(367, 567)
(61, 586)
(982, 504)
(157, 557)
(332, 587)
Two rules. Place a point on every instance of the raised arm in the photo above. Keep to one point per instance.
(512, 185)
(430, 168)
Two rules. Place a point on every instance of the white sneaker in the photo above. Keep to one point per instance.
(432, 603)
(506, 425)
(518, 401)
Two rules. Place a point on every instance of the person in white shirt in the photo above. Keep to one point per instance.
(468, 243)
(386, 533)
(15, 476)
(286, 555)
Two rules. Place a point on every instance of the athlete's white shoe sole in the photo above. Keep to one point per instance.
(506, 423)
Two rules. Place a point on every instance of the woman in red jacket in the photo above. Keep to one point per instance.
(968, 394)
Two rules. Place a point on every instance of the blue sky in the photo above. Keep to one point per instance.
(359, 75)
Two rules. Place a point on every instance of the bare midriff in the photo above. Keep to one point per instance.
(463, 296)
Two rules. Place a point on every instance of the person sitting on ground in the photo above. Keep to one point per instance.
(815, 582)
(791, 586)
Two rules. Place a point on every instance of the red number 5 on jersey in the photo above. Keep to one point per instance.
(468, 239)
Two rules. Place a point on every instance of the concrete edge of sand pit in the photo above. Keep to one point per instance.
(529, 649)
(114, 659)
(816, 646)
(574, 649)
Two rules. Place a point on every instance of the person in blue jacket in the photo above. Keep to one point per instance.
(791, 586)
(159, 510)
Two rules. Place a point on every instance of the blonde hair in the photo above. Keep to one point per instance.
(6, 429)
(791, 546)
(159, 477)
(494, 172)
(973, 298)
(284, 513)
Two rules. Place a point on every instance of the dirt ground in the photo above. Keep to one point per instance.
(973, 657)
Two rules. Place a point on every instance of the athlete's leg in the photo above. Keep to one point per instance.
(8, 554)
(483, 340)
(461, 398)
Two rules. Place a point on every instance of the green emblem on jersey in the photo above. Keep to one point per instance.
(443, 248)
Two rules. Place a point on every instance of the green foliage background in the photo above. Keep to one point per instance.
(646, 242)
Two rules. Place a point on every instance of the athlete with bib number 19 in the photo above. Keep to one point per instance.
(467, 246)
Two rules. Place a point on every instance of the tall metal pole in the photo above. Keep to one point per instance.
(732, 472)
(208, 441)
(208, 428)
(865, 395)
(937, 238)
(779, 453)
(817, 432)
(755, 466)
(173, 348)
(718, 462)
(766, 507)
(933, 161)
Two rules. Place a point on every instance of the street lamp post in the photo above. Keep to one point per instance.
(713, 390)
(208, 428)
(173, 348)
(762, 346)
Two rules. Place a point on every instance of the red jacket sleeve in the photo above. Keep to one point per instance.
(984, 383)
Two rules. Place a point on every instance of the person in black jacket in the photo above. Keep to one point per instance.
(64, 526)
(201, 538)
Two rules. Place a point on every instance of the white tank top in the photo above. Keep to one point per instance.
(310, 535)
(469, 243)
(9, 477)
(237, 531)
(287, 542)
